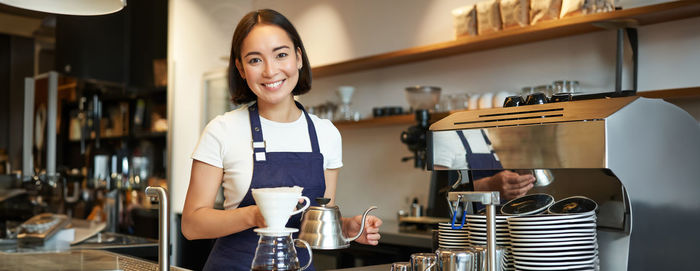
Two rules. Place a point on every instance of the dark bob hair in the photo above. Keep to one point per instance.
(238, 88)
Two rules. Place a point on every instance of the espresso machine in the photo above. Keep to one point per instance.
(634, 156)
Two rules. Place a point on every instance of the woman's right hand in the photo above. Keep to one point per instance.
(256, 217)
(510, 184)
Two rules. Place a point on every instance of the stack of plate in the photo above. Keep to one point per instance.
(452, 238)
(477, 235)
(554, 241)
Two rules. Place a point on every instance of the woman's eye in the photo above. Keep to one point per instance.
(254, 60)
(282, 55)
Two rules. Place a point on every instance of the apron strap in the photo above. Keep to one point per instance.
(258, 143)
(464, 142)
(312, 129)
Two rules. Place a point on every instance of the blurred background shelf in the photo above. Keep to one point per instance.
(406, 119)
(409, 119)
(564, 27)
(675, 93)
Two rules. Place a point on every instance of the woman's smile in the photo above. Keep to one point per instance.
(274, 85)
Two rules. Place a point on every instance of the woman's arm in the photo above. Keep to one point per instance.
(331, 176)
(199, 218)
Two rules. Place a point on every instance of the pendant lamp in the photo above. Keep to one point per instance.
(69, 7)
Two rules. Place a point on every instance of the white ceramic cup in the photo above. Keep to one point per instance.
(486, 100)
(277, 204)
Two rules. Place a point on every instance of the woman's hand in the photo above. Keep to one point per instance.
(370, 235)
(255, 217)
(510, 184)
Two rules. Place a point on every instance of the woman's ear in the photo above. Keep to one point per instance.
(239, 67)
(300, 59)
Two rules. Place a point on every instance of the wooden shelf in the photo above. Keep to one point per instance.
(409, 119)
(676, 93)
(565, 27)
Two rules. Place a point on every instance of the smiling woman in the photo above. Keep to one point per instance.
(268, 66)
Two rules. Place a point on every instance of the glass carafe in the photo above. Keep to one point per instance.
(277, 252)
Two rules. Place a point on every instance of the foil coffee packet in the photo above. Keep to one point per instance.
(488, 16)
(515, 13)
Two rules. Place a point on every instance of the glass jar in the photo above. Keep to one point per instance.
(277, 252)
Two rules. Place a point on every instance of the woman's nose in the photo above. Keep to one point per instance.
(270, 69)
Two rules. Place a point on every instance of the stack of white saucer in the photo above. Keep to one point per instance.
(452, 238)
(477, 235)
(554, 241)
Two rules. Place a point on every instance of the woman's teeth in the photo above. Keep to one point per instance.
(274, 85)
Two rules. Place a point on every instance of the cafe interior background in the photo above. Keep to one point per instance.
(198, 33)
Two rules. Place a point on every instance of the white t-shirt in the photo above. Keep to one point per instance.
(449, 151)
(226, 143)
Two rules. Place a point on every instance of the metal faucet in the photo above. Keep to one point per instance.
(163, 220)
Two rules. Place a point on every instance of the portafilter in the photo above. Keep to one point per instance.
(321, 226)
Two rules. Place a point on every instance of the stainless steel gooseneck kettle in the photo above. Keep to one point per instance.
(321, 226)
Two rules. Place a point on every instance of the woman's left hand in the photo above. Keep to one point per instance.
(370, 235)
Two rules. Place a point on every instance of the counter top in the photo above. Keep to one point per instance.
(380, 267)
(390, 234)
(75, 260)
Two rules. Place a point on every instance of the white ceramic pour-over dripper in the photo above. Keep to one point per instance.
(277, 205)
(345, 93)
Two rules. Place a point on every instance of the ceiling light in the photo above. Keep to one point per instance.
(69, 7)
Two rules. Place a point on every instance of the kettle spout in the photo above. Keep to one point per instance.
(362, 225)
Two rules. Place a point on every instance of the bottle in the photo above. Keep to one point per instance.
(416, 209)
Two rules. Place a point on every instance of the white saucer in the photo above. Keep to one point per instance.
(570, 267)
(554, 235)
(448, 246)
(548, 240)
(562, 263)
(449, 234)
(551, 216)
(557, 226)
(590, 230)
(516, 243)
(547, 254)
(275, 232)
(556, 259)
(556, 221)
(483, 217)
(483, 233)
(587, 248)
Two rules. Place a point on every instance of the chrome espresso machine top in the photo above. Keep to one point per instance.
(635, 157)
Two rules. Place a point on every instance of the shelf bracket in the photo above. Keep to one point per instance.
(622, 26)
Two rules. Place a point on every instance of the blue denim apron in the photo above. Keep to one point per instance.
(271, 169)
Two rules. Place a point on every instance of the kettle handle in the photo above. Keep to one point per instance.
(362, 225)
(308, 249)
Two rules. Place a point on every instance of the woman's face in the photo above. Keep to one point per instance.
(269, 63)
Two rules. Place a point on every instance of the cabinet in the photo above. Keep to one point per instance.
(565, 27)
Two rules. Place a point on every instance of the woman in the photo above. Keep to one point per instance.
(269, 142)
